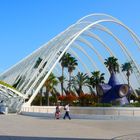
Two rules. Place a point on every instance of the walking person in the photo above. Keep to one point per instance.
(57, 112)
(67, 110)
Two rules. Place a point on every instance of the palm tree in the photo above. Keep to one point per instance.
(79, 81)
(72, 63)
(64, 64)
(50, 84)
(127, 67)
(61, 80)
(112, 64)
(96, 79)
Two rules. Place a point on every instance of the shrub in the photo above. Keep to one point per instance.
(7, 85)
(103, 105)
(87, 99)
(135, 104)
(67, 99)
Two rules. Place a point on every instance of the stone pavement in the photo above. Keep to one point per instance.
(19, 127)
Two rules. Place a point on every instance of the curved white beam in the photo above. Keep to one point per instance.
(94, 36)
(86, 54)
(99, 15)
(122, 46)
(65, 49)
(94, 49)
(80, 60)
(65, 41)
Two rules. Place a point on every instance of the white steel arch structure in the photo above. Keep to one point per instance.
(92, 35)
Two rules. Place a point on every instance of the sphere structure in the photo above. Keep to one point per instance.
(90, 40)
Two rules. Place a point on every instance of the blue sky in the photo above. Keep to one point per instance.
(27, 24)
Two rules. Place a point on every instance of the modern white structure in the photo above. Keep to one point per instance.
(91, 40)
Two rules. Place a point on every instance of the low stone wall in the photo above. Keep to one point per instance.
(39, 109)
(113, 111)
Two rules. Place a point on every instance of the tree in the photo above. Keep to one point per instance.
(79, 81)
(61, 80)
(72, 63)
(69, 62)
(50, 84)
(96, 79)
(127, 67)
(112, 64)
(64, 63)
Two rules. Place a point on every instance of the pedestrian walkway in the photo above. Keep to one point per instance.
(15, 127)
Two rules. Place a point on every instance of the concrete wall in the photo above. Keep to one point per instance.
(115, 111)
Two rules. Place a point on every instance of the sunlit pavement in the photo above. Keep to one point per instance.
(15, 127)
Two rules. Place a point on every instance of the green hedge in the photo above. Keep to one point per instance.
(134, 105)
(7, 85)
(103, 105)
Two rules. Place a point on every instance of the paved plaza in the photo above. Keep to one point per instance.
(15, 127)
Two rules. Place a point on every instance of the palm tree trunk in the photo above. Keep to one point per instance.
(129, 94)
(99, 98)
(80, 90)
(69, 81)
(40, 97)
(48, 99)
(77, 91)
(66, 92)
(41, 100)
(128, 81)
(62, 84)
(62, 89)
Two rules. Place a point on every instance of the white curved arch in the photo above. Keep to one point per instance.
(98, 15)
(91, 46)
(90, 34)
(86, 54)
(124, 49)
(136, 38)
(65, 49)
(63, 42)
(78, 34)
(78, 58)
(53, 55)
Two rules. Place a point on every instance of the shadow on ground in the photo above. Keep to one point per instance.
(130, 137)
(41, 138)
